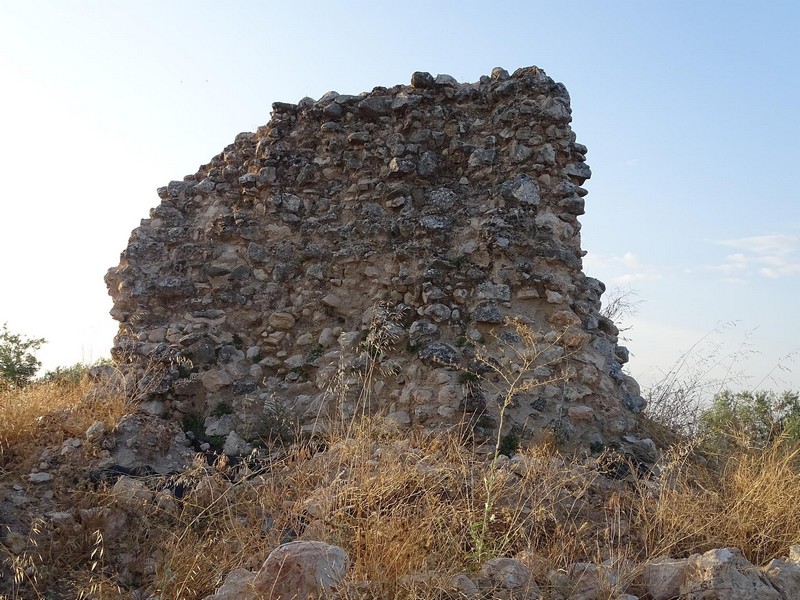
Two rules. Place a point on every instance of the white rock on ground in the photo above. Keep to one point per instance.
(511, 574)
(725, 574)
(663, 576)
(784, 574)
(238, 585)
(300, 570)
(293, 571)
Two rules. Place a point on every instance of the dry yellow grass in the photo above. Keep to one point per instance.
(748, 500)
(411, 508)
(47, 413)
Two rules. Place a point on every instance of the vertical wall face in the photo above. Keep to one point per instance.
(432, 212)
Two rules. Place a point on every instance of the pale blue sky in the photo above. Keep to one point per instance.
(689, 110)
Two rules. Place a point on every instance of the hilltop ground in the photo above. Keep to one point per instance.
(413, 510)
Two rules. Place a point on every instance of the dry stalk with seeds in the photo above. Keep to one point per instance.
(521, 363)
(361, 370)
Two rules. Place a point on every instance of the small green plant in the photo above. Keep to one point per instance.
(509, 443)
(481, 549)
(301, 373)
(194, 422)
(66, 375)
(459, 261)
(277, 426)
(486, 422)
(596, 447)
(466, 377)
(216, 442)
(223, 407)
(237, 341)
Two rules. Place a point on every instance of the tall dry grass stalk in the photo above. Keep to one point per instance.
(521, 362)
(679, 394)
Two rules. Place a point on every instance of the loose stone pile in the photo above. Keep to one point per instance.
(315, 568)
(393, 233)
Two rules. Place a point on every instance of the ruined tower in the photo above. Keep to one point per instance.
(393, 232)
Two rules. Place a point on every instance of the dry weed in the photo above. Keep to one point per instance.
(747, 501)
(409, 509)
(48, 412)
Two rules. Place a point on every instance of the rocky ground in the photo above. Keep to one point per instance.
(130, 508)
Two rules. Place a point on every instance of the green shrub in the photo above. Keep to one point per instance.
(18, 363)
(194, 422)
(757, 417)
(509, 443)
(67, 375)
(466, 377)
(277, 427)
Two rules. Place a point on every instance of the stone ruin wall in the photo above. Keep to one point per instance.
(449, 206)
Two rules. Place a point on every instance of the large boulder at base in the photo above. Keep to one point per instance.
(510, 574)
(142, 440)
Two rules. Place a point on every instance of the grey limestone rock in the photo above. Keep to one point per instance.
(784, 574)
(488, 313)
(499, 74)
(725, 574)
(663, 576)
(511, 574)
(421, 79)
(301, 569)
(443, 354)
(446, 80)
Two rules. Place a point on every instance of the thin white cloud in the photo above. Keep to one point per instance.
(623, 270)
(734, 280)
(773, 256)
(777, 244)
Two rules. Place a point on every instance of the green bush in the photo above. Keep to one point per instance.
(67, 375)
(18, 363)
(756, 417)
